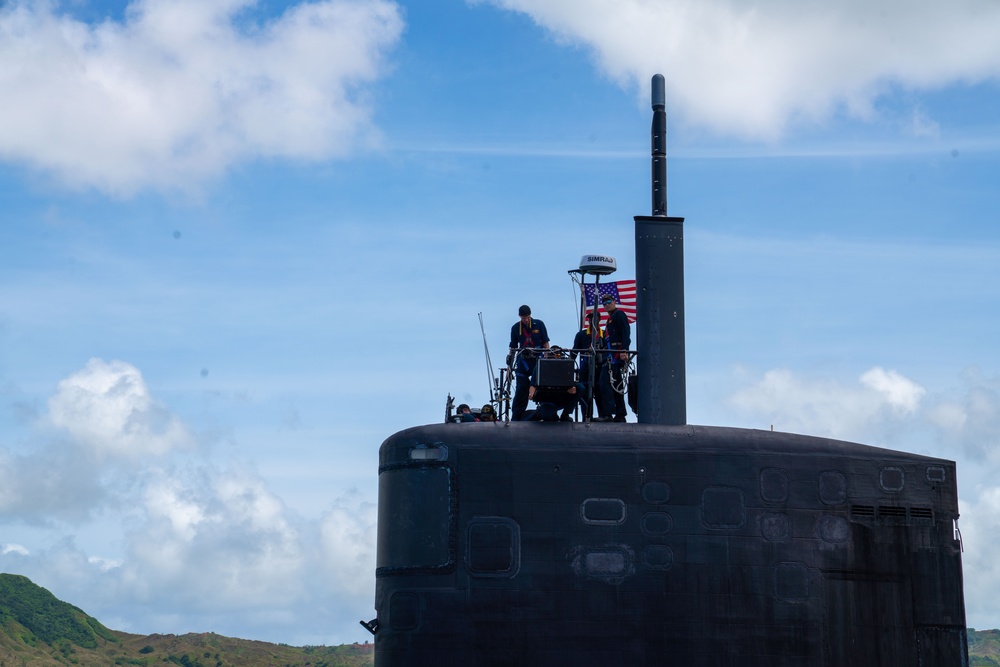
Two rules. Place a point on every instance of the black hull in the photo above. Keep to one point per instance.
(615, 544)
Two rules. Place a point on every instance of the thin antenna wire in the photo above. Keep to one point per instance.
(489, 364)
(577, 293)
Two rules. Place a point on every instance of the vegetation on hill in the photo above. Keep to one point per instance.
(39, 630)
(32, 613)
(212, 650)
(984, 648)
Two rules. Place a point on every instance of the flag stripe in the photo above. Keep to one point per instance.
(623, 292)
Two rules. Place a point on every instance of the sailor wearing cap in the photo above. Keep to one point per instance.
(591, 334)
(465, 413)
(526, 334)
(618, 335)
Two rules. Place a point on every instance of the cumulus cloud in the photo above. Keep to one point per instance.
(879, 402)
(223, 530)
(212, 548)
(13, 549)
(52, 483)
(197, 545)
(179, 90)
(347, 534)
(212, 529)
(980, 524)
(901, 394)
(750, 68)
(970, 420)
(882, 404)
(100, 420)
(108, 409)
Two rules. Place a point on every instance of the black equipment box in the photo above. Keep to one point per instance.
(554, 373)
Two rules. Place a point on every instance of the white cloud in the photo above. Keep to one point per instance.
(827, 407)
(100, 421)
(178, 91)
(53, 483)
(347, 534)
(165, 500)
(211, 548)
(882, 408)
(901, 393)
(980, 525)
(104, 564)
(193, 545)
(750, 68)
(205, 529)
(107, 409)
(921, 125)
(14, 549)
(970, 421)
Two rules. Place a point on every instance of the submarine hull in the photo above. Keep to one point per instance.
(576, 544)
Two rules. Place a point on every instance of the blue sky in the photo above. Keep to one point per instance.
(243, 243)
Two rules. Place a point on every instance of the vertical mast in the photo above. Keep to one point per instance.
(659, 266)
(659, 147)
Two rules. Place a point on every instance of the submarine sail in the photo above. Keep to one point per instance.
(662, 543)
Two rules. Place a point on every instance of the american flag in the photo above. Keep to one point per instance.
(623, 291)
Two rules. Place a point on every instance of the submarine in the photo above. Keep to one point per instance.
(660, 542)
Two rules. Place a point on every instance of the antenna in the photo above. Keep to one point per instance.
(658, 135)
(489, 364)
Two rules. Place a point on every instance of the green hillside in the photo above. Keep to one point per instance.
(32, 614)
(39, 630)
(984, 648)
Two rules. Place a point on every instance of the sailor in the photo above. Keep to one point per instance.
(585, 338)
(618, 335)
(526, 334)
(465, 413)
(550, 400)
(486, 413)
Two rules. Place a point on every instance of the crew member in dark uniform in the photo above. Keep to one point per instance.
(465, 413)
(618, 334)
(551, 400)
(602, 383)
(526, 334)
